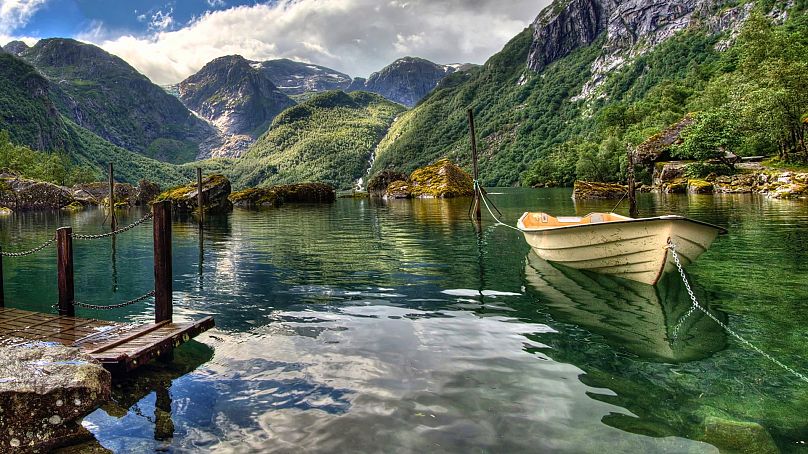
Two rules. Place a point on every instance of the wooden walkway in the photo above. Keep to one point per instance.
(119, 347)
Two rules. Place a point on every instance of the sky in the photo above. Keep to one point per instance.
(170, 40)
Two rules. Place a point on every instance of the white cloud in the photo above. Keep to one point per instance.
(161, 20)
(353, 36)
(215, 3)
(16, 13)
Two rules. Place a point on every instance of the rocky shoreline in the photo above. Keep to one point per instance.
(778, 184)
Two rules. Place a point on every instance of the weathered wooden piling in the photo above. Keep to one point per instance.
(200, 198)
(476, 208)
(113, 222)
(64, 267)
(632, 189)
(2, 292)
(163, 286)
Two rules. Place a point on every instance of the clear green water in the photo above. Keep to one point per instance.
(394, 327)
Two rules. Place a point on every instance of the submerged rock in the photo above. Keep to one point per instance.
(278, 195)
(695, 186)
(45, 390)
(738, 436)
(215, 191)
(583, 190)
(442, 179)
(398, 190)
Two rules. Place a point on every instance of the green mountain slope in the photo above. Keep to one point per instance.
(327, 138)
(552, 126)
(104, 94)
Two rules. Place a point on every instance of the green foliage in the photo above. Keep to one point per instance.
(327, 138)
(709, 137)
(703, 169)
(55, 168)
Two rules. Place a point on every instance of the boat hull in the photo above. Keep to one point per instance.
(634, 249)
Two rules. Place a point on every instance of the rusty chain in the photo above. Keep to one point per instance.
(114, 306)
(114, 232)
(29, 252)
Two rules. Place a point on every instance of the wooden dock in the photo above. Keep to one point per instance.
(120, 347)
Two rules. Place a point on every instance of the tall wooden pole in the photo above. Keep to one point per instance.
(476, 204)
(163, 286)
(2, 292)
(64, 267)
(113, 224)
(200, 200)
(632, 190)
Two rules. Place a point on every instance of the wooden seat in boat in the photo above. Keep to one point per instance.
(544, 220)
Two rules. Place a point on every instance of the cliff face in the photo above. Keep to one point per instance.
(237, 97)
(632, 28)
(15, 47)
(296, 78)
(406, 80)
(102, 93)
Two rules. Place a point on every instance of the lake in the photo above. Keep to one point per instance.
(371, 326)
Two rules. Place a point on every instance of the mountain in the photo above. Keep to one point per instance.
(31, 118)
(564, 98)
(327, 138)
(237, 97)
(15, 47)
(296, 78)
(406, 80)
(102, 93)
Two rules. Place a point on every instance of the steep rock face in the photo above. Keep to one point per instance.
(104, 94)
(236, 96)
(26, 110)
(296, 78)
(15, 47)
(565, 26)
(405, 81)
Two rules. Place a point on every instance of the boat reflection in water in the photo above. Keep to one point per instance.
(658, 323)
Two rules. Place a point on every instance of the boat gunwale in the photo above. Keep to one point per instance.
(670, 217)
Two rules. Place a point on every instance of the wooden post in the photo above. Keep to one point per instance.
(632, 190)
(64, 267)
(163, 286)
(2, 293)
(476, 204)
(200, 200)
(113, 224)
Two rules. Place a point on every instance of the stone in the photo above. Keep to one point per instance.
(5, 211)
(215, 190)
(379, 183)
(22, 194)
(668, 171)
(790, 191)
(738, 436)
(398, 190)
(45, 391)
(98, 193)
(147, 191)
(586, 190)
(657, 147)
(677, 186)
(442, 179)
(278, 195)
(695, 186)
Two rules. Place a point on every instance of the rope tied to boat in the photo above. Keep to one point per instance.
(672, 247)
(484, 198)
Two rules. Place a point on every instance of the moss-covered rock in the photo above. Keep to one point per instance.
(665, 172)
(791, 191)
(677, 186)
(587, 190)
(442, 179)
(379, 183)
(658, 146)
(215, 193)
(278, 195)
(741, 437)
(398, 190)
(5, 211)
(21, 194)
(147, 191)
(45, 391)
(74, 207)
(695, 186)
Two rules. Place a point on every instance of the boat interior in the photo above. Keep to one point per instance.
(544, 220)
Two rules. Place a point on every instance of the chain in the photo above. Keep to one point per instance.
(30, 252)
(114, 232)
(115, 306)
(672, 248)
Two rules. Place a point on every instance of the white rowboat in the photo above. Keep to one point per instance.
(609, 243)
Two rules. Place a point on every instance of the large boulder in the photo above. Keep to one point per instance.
(442, 179)
(379, 183)
(288, 193)
(665, 172)
(398, 190)
(21, 194)
(45, 390)
(146, 192)
(738, 436)
(657, 147)
(586, 190)
(215, 193)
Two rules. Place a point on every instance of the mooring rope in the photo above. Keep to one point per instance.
(478, 189)
(672, 247)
